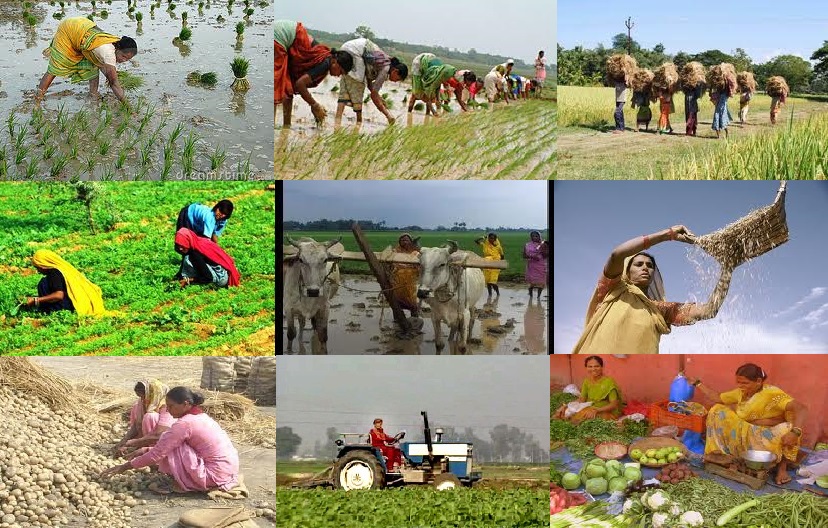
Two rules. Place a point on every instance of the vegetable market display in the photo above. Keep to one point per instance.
(581, 439)
(421, 507)
(131, 258)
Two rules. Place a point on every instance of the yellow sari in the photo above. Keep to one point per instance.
(70, 52)
(86, 296)
(730, 432)
(491, 252)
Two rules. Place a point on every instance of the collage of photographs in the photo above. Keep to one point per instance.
(418, 351)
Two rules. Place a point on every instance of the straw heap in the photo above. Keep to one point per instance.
(621, 67)
(777, 86)
(26, 377)
(722, 77)
(746, 81)
(666, 78)
(642, 80)
(692, 74)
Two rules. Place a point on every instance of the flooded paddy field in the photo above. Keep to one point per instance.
(358, 324)
(494, 141)
(176, 129)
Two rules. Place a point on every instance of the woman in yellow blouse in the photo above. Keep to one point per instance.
(492, 250)
(756, 416)
(599, 389)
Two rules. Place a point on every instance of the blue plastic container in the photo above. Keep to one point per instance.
(681, 389)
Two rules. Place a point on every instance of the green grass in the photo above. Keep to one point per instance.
(512, 242)
(133, 263)
(505, 142)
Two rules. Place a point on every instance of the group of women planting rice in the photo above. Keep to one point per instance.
(753, 416)
(203, 261)
(300, 63)
(693, 80)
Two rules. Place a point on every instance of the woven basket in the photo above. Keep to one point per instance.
(657, 442)
(749, 237)
(610, 450)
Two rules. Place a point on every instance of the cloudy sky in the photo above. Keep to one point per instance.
(764, 30)
(777, 304)
(518, 29)
(424, 203)
(348, 392)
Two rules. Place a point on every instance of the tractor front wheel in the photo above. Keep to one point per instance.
(358, 470)
(446, 481)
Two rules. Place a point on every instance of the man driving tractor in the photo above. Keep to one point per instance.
(387, 444)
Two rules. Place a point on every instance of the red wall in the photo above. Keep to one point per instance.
(647, 378)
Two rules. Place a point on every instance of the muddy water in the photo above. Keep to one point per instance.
(240, 124)
(508, 325)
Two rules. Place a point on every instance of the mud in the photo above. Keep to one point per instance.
(358, 325)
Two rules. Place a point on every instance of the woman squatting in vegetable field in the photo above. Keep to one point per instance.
(301, 63)
(627, 313)
(757, 416)
(204, 261)
(386, 444)
(196, 451)
(203, 221)
(148, 419)
(63, 287)
(602, 391)
(372, 67)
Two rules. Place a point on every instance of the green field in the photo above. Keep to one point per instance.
(490, 471)
(413, 507)
(512, 242)
(795, 148)
(131, 258)
(515, 141)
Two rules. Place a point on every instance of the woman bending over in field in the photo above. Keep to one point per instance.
(627, 313)
(196, 452)
(63, 287)
(428, 73)
(204, 261)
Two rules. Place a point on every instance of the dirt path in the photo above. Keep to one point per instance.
(257, 464)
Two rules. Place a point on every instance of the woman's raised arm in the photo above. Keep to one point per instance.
(699, 312)
(615, 263)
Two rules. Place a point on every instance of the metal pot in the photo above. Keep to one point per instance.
(759, 460)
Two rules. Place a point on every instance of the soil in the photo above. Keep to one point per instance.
(507, 325)
(257, 464)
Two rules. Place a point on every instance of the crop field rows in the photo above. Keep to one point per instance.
(132, 260)
(504, 142)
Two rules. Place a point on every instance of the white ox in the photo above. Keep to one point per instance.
(310, 281)
(451, 291)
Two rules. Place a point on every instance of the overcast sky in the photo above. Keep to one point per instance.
(348, 392)
(518, 28)
(777, 303)
(764, 30)
(424, 203)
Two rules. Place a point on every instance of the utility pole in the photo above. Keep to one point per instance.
(630, 24)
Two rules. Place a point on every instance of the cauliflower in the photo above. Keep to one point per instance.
(628, 505)
(675, 509)
(657, 501)
(691, 518)
(660, 520)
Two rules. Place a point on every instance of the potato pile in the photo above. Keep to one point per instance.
(49, 467)
(675, 473)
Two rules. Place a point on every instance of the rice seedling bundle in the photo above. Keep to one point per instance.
(620, 67)
(723, 77)
(692, 74)
(239, 67)
(665, 78)
(185, 34)
(642, 80)
(746, 81)
(129, 82)
(777, 86)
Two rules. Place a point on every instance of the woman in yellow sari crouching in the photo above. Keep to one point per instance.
(63, 287)
(80, 50)
(628, 313)
(754, 416)
(600, 390)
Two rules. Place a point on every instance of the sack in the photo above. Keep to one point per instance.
(216, 517)
(218, 373)
(261, 384)
(242, 367)
(573, 408)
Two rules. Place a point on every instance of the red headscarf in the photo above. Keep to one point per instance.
(188, 239)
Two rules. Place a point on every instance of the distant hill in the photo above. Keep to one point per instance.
(480, 63)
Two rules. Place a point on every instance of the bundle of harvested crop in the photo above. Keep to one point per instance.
(621, 67)
(723, 77)
(239, 67)
(642, 80)
(777, 86)
(746, 81)
(665, 78)
(692, 74)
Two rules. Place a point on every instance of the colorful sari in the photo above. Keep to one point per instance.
(491, 252)
(295, 52)
(621, 319)
(86, 296)
(145, 414)
(601, 393)
(188, 239)
(428, 73)
(730, 432)
(536, 264)
(70, 52)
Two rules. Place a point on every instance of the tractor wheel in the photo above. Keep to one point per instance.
(446, 481)
(358, 470)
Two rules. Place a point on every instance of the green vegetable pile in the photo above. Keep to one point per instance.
(560, 398)
(581, 440)
(590, 515)
(707, 497)
(789, 509)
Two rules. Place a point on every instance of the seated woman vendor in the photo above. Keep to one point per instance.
(600, 390)
(63, 287)
(755, 416)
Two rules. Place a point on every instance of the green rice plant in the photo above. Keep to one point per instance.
(20, 154)
(73, 152)
(130, 10)
(208, 79)
(48, 152)
(217, 158)
(175, 134)
(3, 153)
(239, 67)
(152, 9)
(171, 7)
(98, 131)
(188, 153)
(200, 7)
(146, 153)
(121, 159)
(248, 12)
(93, 4)
(243, 170)
(90, 162)
(103, 147)
(129, 82)
(167, 168)
(240, 29)
(185, 34)
(31, 169)
(62, 118)
(21, 136)
(263, 4)
(139, 17)
(141, 174)
(11, 124)
(220, 19)
(25, 15)
(121, 128)
(46, 134)
(108, 173)
(183, 18)
(62, 5)
(82, 120)
(58, 15)
(104, 14)
(58, 164)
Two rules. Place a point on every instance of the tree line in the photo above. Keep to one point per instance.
(372, 225)
(505, 444)
(581, 66)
